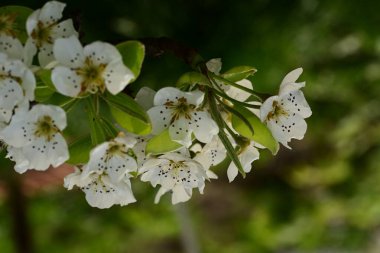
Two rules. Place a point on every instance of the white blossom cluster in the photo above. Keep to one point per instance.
(33, 132)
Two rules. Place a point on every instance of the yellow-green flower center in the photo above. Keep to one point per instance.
(45, 127)
(92, 74)
(181, 108)
(276, 112)
(7, 25)
(42, 34)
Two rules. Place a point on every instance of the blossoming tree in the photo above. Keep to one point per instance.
(172, 137)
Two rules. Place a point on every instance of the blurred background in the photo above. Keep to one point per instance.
(322, 196)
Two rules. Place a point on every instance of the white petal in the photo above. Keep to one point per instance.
(57, 114)
(117, 76)
(179, 132)
(159, 194)
(10, 93)
(28, 84)
(5, 116)
(195, 97)
(30, 50)
(51, 12)
(292, 76)
(160, 118)
(11, 46)
(286, 128)
(267, 107)
(18, 132)
(16, 155)
(32, 21)
(295, 102)
(145, 97)
(66, 81)
(240, 94)
(232, 172)
(69, 52)
(204, 126)
(214, 65)
(118, 167)
(102, 53)
(64, 29)
(249, 155)
(180, 194)
(45, 55)
(167, 94)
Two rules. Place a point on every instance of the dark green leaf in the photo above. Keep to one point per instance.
(80, 151)
(192, 78)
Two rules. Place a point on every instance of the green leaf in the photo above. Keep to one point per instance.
(129, 114)
(192, 78)
(239, 73)
(222, 135)
(133, 53)
(44, 76)
(16, 16)
(80, 151)
(261, 135)
(97, 134)
(42, 93)
(161, 143)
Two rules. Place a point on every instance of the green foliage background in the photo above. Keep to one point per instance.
(322, 196)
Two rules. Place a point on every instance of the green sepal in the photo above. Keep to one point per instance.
(261, 135)
(133, 53)
(129, 114)
(192, 78)
(80, 151)
(20, 14)
(161, 143)
(239, 73)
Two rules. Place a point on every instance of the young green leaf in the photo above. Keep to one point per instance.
(80, 151)
(133, 53)
(239, 73)
(129, 114)
(161, 143)
(192, 78)
(13, 20)
(97, 133)
(44, 76)
(261, 135)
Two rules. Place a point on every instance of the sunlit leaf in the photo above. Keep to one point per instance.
(133, 53)
(239, 73)
(261, 135)
(161, 143)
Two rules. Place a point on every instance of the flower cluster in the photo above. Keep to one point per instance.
(173, 138)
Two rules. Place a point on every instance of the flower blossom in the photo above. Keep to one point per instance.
(34, 138)
(284, 114)
(182, 113)
(176, 173)
(105, 179)
(43, 29)
(90, 69)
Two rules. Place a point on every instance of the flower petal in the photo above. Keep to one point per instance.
(69, 52)
(204, 126)
(51, 12)
(117, 76)
(167, 94)
(180, 194)
(145, 97)
(179, 132)
(10, 93)
(64, 29)
(295, 102)
(66, 81)
(102, 53)
(292, 76)
(232, 172)
(11, 46)
(45, 55)
(160, 117)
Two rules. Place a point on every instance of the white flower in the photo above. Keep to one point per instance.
(284, 114)
(100, 190)
(34, 138)
(181, 113)
(246, 156)
(145, 97)
(17, 84)
(91, 69)
(43, 29)
(15, 50)
(105, 179)
(211, 154)
(176, 173)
